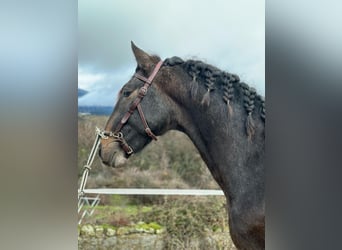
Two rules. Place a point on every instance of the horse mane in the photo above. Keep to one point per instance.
(212, 78)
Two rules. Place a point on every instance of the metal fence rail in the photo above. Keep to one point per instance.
(153, 191)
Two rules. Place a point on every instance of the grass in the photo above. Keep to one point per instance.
(181, 214)
(179, 219)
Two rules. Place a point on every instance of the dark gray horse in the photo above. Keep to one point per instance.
(223, 117)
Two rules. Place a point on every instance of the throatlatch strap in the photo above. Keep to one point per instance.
(147, 128)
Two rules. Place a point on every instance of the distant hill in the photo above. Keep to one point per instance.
(95, 110)
(82, 92)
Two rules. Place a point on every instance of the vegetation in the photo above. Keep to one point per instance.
(171, 162)
(179, 219)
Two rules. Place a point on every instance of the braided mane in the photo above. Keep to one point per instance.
(212, 78)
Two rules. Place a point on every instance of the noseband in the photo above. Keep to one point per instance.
(117, 134)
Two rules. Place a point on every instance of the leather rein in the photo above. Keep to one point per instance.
(117, 134)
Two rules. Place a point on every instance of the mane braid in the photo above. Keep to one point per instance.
(194, 72)
(212, 78)
(228, 91)
(249, 96)
(209, 83)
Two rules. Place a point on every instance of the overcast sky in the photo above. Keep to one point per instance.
(227, 34)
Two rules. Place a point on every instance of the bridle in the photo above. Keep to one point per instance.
(117, 134)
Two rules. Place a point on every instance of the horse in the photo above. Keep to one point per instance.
(223, 117)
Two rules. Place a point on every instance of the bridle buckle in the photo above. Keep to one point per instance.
(143, 91)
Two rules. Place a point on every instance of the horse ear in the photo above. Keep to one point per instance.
(143, 59)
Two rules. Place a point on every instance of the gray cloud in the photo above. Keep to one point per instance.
(227, 34)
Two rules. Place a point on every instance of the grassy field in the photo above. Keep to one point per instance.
(171, 162)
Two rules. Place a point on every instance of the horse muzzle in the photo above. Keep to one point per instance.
(111, 154)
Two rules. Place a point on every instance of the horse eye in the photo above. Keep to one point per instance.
(126, 93)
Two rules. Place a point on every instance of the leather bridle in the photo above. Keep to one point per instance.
(117, 134)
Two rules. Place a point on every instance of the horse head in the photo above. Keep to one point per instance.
(141, 113)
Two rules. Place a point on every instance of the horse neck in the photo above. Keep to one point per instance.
(219, 137)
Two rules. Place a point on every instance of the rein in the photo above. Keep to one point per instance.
(117, 134)
(87, 167)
